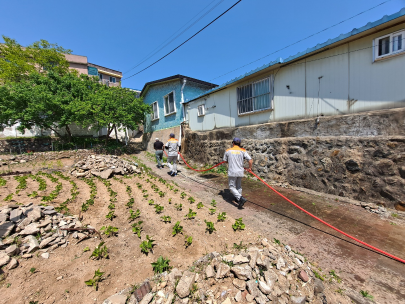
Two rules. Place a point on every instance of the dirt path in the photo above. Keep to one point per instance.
(360, 268)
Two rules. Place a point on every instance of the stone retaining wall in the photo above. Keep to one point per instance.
(358, 156)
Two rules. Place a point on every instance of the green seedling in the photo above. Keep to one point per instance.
(191, 199)
(134, 214)
(8, 197)
(212, 210)
(162, 194)
(365, 294)
(109, 230)
(318, 275)
(129, 190)
(130, 203)
(178, 207)
(210, 227)
(34, 194)
(200, 205)
(96, 279)
(145, 196)
(188, 241)
(177, 229)
(166, 219)
(137, 228)
(32, 270)
(111, 215)
(239, 225)
(221, 216)
(213, 203)
(170, 200)
(240, 246)
(144, 191)
(3, 182)
(334, 276)
(100, 252)
(190, 215)
(277, 241)
(111, 206)
(159, 208)
(151, 202)
(161, 265)
(183, 194)
(147, 246)
(86, 249)
(139, 185)
(85, 207)
(175, 190)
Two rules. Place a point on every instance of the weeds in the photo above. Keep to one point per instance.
(147, 246)
(239, 225)
(161, 265)
(100, 252)
(177, 229)
(151, 202)
(8, 197)
(318, 275)
(334, 276)
(32, 270)
(240, 246)
(111, 206)
(96, 279)
(210, 227)
(3, 182)
(221, 216)
(183, 194)
(277, 241)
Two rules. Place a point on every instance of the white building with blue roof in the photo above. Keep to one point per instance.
(358, 71)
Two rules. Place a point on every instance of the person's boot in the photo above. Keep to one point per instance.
(241, 202)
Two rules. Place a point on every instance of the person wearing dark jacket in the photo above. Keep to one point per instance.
(158, 146)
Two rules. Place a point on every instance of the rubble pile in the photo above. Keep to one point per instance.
(29, 229)
(103, 166)
(263, 274)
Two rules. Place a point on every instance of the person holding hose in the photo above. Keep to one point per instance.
(158, 146)
(172, 146)
(235, 157)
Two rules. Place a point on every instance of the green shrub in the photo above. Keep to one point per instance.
(221, 216)
(210, 226)
(239, 225)
(147, 246)
(190, 215)
(161, 265)
(100, 252)
(177, 229)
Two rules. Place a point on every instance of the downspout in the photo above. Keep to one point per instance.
(184, 110)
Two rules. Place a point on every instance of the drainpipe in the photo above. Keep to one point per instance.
(184, 109)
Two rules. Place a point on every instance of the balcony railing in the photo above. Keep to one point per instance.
(109, 83)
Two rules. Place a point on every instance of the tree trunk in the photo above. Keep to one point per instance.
(116, 134)
(69, 134)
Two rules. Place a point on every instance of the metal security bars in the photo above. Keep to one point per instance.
(201, 110)
(256, 96)
(155, 109)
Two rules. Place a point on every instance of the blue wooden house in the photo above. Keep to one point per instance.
(167, 96)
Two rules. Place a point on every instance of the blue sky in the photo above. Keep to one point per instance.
(120, 34)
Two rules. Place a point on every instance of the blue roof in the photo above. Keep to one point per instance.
(341, 37)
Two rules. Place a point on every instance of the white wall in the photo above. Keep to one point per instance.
(351, 82)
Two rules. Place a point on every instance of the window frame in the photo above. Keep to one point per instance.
(203, 110)
(100, 76)
(391, 45)
(271, 95)
(157, 111)
(174, 103)
(113, 79)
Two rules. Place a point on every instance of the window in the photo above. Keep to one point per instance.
(389, 45)
(170, 106)
(112, 79)
(201, 110)
(256, 96)
(101, 76)
(155, 109)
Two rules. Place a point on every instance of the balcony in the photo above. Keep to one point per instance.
(109, 83)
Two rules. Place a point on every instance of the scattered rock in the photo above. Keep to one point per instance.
(298, 300)
(318, 286)
(12, 250)
(4, 259)
(13, 264)
(238, 296)
(147, 298)
(243, 273)
(45, 255)
(264, 288)
(209, 272)
(6, 228)
(116, 299)
(222, 270)
(30, 229)
(239, 284)
(185, 283)
(240, 260)
(303, 276)
(16, 215)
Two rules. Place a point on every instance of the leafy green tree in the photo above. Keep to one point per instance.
(18, 62)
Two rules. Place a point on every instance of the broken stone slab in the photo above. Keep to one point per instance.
(318, 286)
(3, 217)
(252, 288)
(30, 229)
(6, 228)
(12, 206)
(239, 284)
(253, 258)
(103, 174)
(49, 212)
(24, 223)
(116, 299)
(303, 276)
(6, 211)
(45, 255)
(174, 275)
(298, 300)
(45, 223)
(239, 259)
(222, 271)
(147, 298)
(280, 263)
(243, 273)
(266, 289)
(185, 283)
(26, 256)
(209, 272)
(4, 259)
(33, 243)
(34, 213)
(12, 264)
(16, 215)
(238, 296)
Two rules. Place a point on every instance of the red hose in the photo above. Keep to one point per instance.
(330, 226)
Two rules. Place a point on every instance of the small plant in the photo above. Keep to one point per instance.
(177, 229)
(85, 249)
(100, 252)
(277, 241)
(145, 196)
(32, 270)
(161, 265)
(178, 207)
(221, 216)
(134, 214)
(85, 207)
(210, 227)
(365, 294)
(159, 208)
(191, 199)
(3, 182)
(34, 194)
(96, 279)
(170, 200)
(240, 246)
(166, 219)
(190, 215)
(188, 241)
(212, 210)
(111, 206)
(109, 231)
(137, 228)
(162, 194)
(335, 276)
(200, 205)
(151, 202)
(318, 275)
(213, 203)
(147, 245)
(175, 190)
(9, 197)
(130, 203)
(394, 214)
(183, 194)
(111, 215)
(239, 225)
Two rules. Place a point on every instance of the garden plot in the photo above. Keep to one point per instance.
(140, 218)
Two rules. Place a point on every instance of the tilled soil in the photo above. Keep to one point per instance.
(126, 265)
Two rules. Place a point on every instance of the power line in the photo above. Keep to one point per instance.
(186, 40)
(301, 40)
(160, 47)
